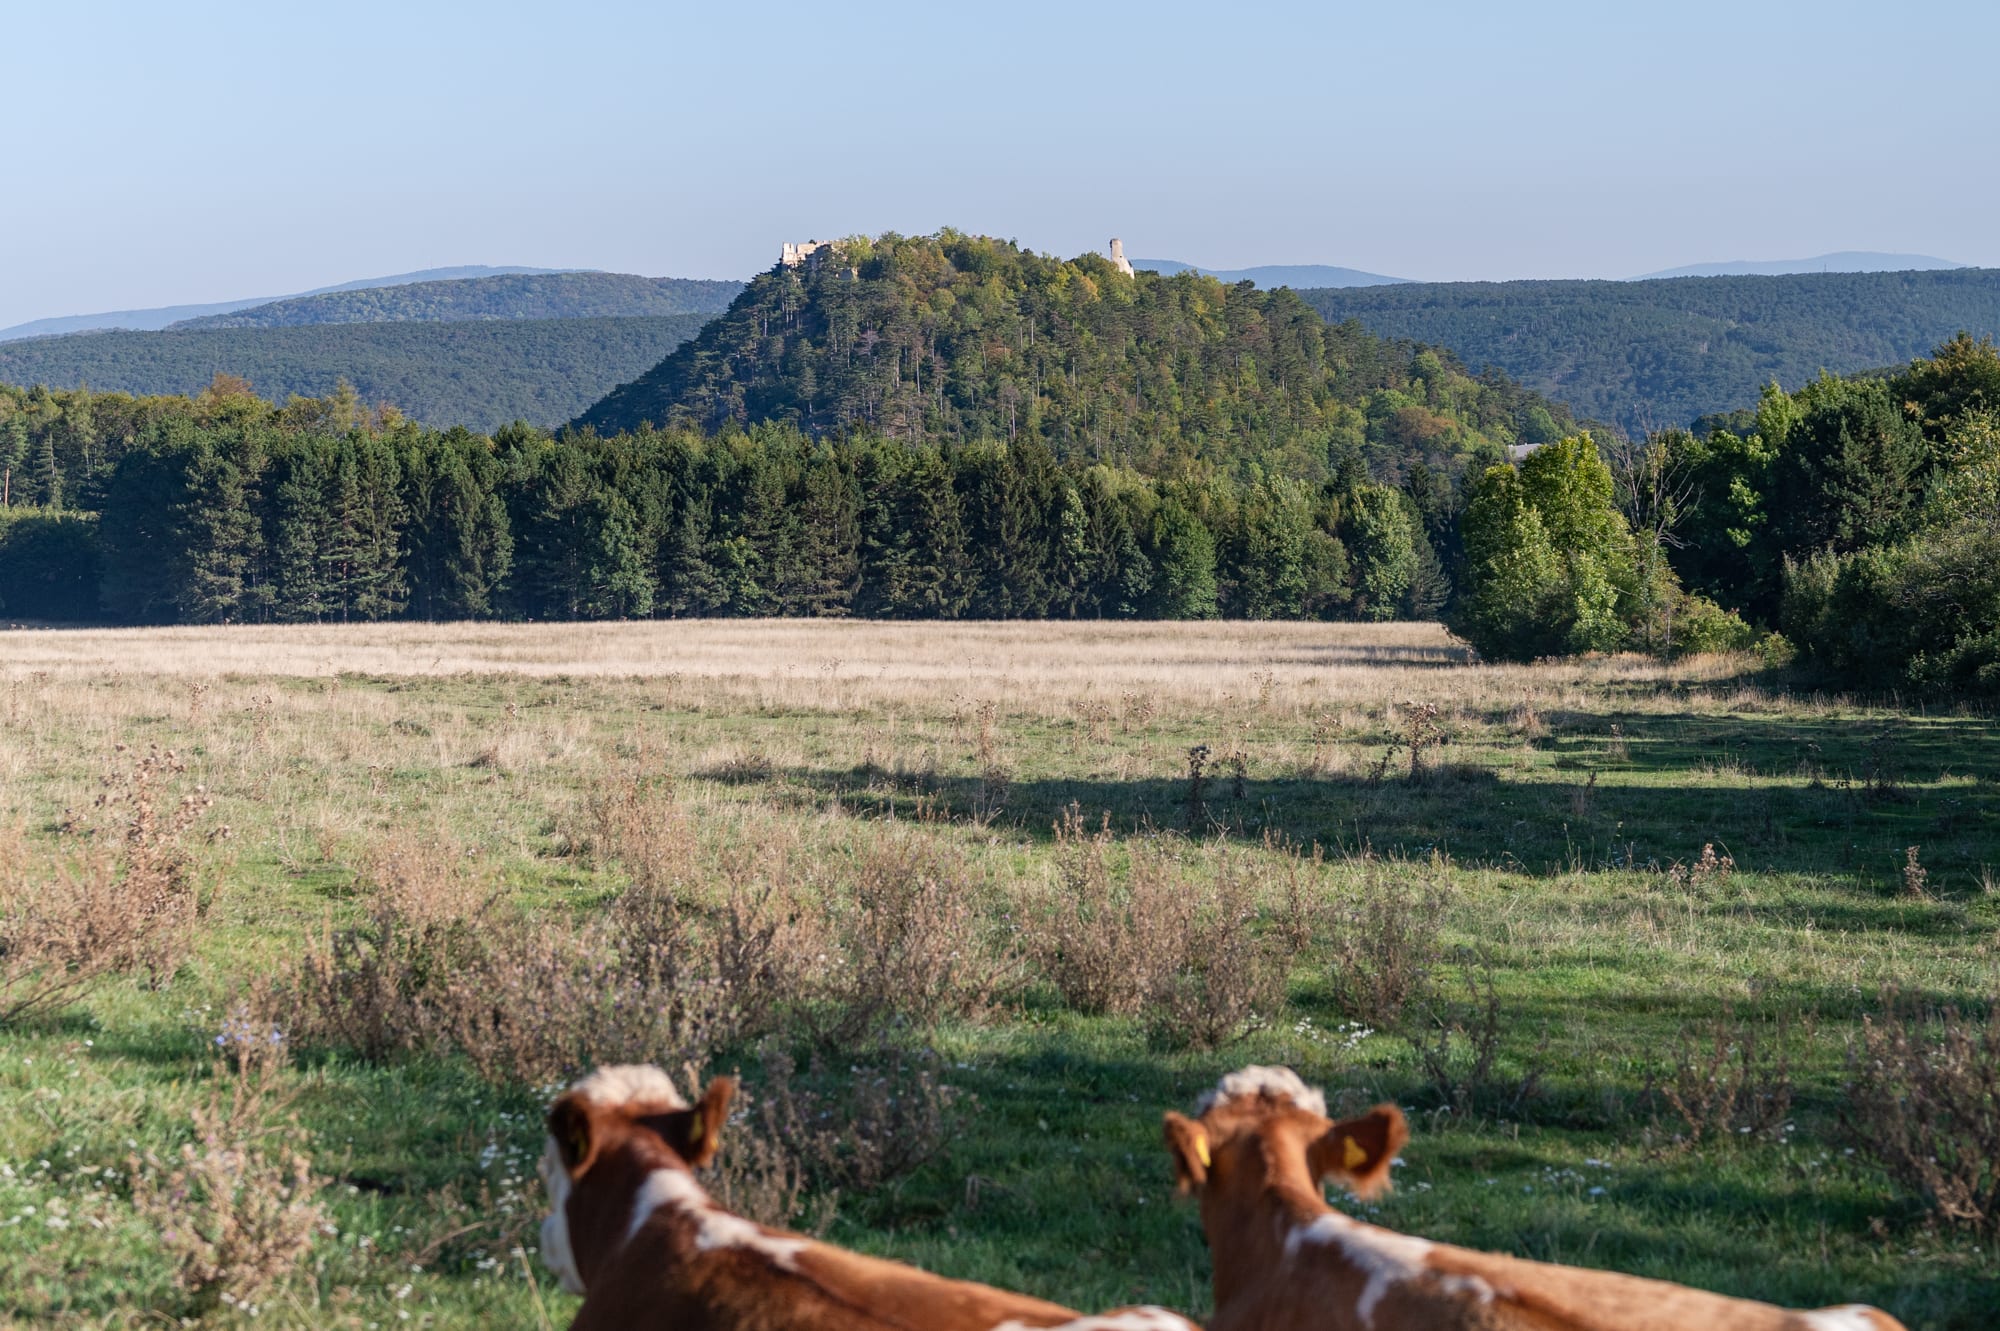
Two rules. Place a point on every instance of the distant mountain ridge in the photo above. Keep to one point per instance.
(565, 295)
(477, 373)
(1298, 276)
(149, 320)
(1662, 352)
(1844, 261)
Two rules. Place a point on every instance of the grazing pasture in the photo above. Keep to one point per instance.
(303, 929)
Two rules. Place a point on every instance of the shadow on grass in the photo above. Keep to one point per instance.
(1538, 823)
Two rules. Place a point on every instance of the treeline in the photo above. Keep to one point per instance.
(951, 339)
(1658, 354)
(478, 374)
(1860, 517)
(227, 509)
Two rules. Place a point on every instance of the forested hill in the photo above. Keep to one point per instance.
(480, 375)
(1657, 354)
(955, 338)
(509, 296)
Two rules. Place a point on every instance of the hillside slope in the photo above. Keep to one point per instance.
(956, 338)
(480, 374)
(513, 296)
(1661, 353)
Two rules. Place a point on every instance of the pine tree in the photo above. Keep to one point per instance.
(1013, 501)
(459, 546)
(915, 563)
(826, 565)
(220, 537)
(300, 531)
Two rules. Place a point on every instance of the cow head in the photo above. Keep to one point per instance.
(1263, 1125)
(607, 1134)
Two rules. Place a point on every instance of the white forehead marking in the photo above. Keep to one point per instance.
(1281, 1082)
(1847, 1317)
(630, 1083)
(1148, 1318)
(1385, 1257)
(714, 1227)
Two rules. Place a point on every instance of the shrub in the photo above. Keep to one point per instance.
(1700, 625)
(1107, 945)
(49, 564)
(235, 1213)
(908, 945)
(1923, 1100)
(800, 1143)
(1727, 1078)
(1229, 979)
(1384, 939)
(126, 903)
(1923, 614)
(1458, 1047)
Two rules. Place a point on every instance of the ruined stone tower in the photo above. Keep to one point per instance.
(1118, 259)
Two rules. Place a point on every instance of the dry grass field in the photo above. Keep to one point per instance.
(300, 926)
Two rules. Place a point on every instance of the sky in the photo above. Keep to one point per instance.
(163, 154)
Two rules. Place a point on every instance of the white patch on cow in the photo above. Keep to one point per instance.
(1147, 1318)
(714, 1227)
(556, 1252)
(1280, 1082)
(1386, 1258)
(629, 1084)
(1847, 1317)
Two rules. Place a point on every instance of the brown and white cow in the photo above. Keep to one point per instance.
(1257, 1154)
(633, 1232)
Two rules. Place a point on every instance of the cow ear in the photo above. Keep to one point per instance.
(1359, 1151)
(696, 1133)
(571, 1129)
(1187, 1142)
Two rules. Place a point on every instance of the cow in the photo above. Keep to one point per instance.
(632, 1231)
(1257, 1154)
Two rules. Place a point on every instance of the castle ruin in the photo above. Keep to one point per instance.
(1118, 259)
(802, 253)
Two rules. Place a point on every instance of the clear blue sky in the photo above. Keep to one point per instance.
(166, 153)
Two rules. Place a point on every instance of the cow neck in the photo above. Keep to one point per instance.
(1247, 1241)
(603, 1226)
(689, 1208)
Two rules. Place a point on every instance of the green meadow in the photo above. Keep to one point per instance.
(1608, 929)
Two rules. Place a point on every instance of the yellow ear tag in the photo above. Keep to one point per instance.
(1201, 1148)
(694, 1133)
(1351, 1153)
(579, 1144)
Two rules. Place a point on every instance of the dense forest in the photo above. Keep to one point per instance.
(1173, 448)
(225, 508)
(507, 296)
(1658, 354)
(480, 375)
(954, 339)
(1860, 516)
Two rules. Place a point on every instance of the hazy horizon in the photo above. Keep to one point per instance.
(229, 150)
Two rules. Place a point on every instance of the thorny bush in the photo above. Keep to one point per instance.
(1384, 937)
(1729, 1078)
(1106, 945)
(237, 1208)
(798, 1147)
(1923, 1099)
(125, 900)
